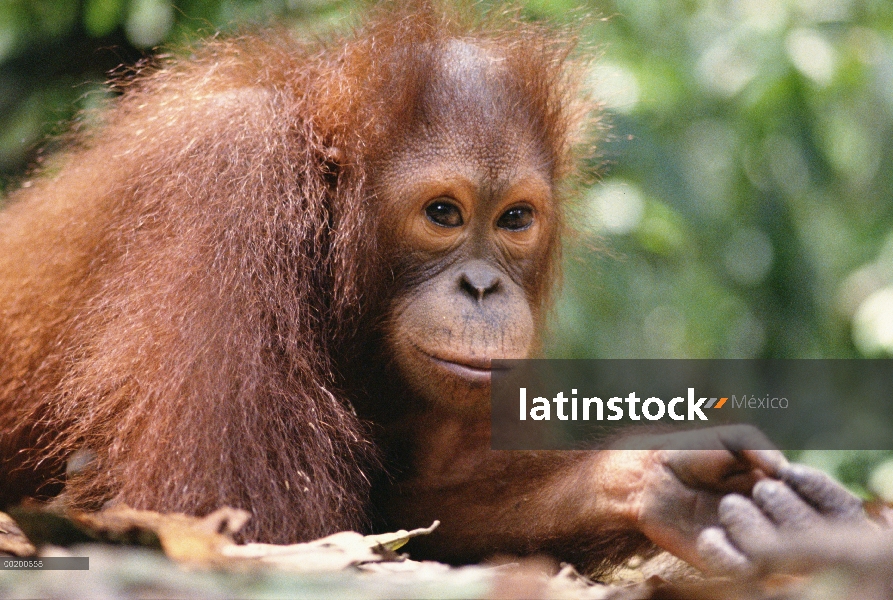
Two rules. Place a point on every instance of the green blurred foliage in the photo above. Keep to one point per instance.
(747, 191)
(55, 55)
(743, 207)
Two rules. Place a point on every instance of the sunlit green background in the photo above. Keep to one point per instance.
(744, 204)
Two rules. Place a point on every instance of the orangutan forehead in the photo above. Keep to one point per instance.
(474, 73)
(469, 107)
(468, 88)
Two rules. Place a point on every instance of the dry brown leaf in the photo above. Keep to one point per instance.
(395, 541)
(333, 553)
(207, 541)
(196, 540)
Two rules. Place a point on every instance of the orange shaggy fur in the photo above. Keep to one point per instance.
(182, 296)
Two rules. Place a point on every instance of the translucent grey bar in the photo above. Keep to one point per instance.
(50, 563)
(799, 404)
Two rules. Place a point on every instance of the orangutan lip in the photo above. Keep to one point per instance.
(471, 374)
(473, 369)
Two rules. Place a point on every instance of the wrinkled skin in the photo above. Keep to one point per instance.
(682, 490)
(471, 205)
(783, 523)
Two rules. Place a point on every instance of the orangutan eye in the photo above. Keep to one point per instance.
(517, 218)
(443, 213)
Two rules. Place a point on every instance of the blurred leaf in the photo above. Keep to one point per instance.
(148, 22)
(101, 17)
